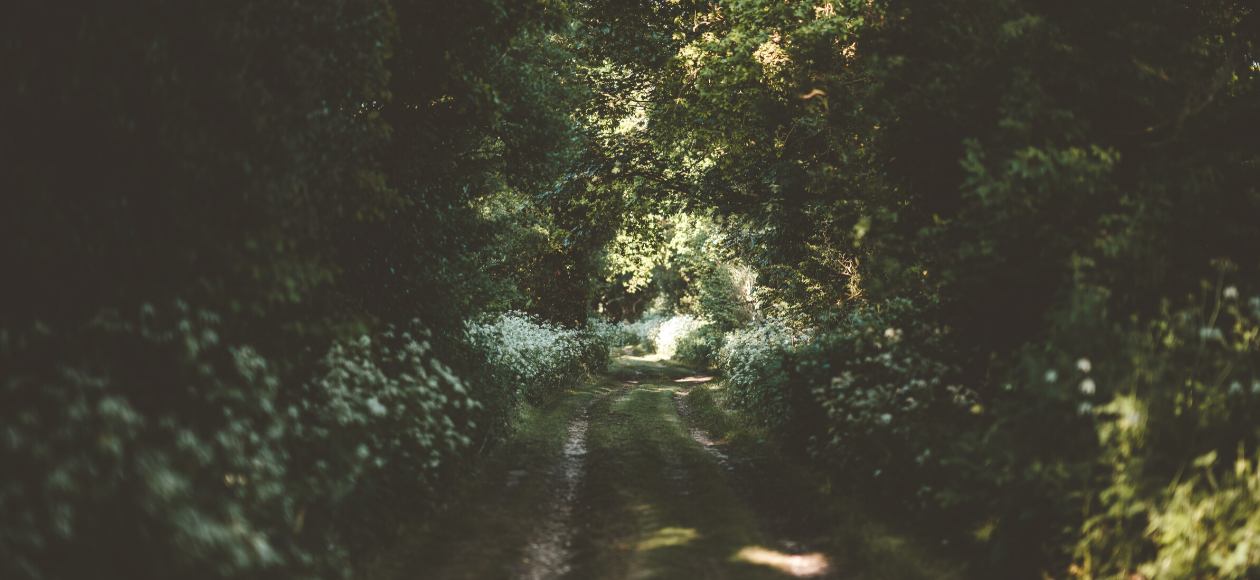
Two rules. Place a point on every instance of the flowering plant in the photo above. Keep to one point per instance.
(531, 357)
(753, 360)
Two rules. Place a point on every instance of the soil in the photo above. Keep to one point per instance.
(547, 552)
(624, 478)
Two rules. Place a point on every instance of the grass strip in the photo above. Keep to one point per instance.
(796, 501)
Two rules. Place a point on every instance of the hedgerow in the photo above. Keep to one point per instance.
(154, 432)
(1065, 455)
(146, 432)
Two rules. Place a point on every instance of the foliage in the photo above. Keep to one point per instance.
(226, 474)
(310, 174)
(527, 268)
(701, 346)
(643, 331)
(1184, 412)
(716, 288)
(753, 359)
(889, 393)
(957, 250)
(615, 335)
(102, 462)
(1049, 178)
(201, 150)
(371, 430)
(479, 123)
(666, 337)
(533, 357)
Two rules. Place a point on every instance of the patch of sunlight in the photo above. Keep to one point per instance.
(669, 537)
(694, 380)
(799, 565)
(985, 531)
(654, 357)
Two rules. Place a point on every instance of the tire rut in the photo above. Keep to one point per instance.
(548, 551)
(800, 559)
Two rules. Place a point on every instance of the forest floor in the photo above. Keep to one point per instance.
(641, 473)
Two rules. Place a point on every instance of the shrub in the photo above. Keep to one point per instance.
(150, 447)
(753, 359)
(530, 357)
(645, 330)
(372, 431)
(681, 337)
(667, 336)
(145, 446)
(886, 391)
(700, 346)
(614, 334)
(1175, 418)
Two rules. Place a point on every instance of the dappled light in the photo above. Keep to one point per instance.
(648, 358)
(797, 565)
(666, 537)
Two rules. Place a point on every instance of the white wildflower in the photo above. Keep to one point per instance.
(1052, 376)
(1231, 292)
(1084, 365)
(1087, 387)
(376, 407)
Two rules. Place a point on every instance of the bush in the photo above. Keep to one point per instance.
(700, 347)
(615, 334)
(887, 391)
(667, 336)
(145, 446)
(372, 432)
(529, 357)
(1176, 420)
(1110, 449)
(645, 330)
(151, 435)
(753, 359)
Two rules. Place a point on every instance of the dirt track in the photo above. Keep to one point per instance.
(621, 479)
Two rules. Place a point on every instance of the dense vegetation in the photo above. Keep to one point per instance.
(278, 273)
